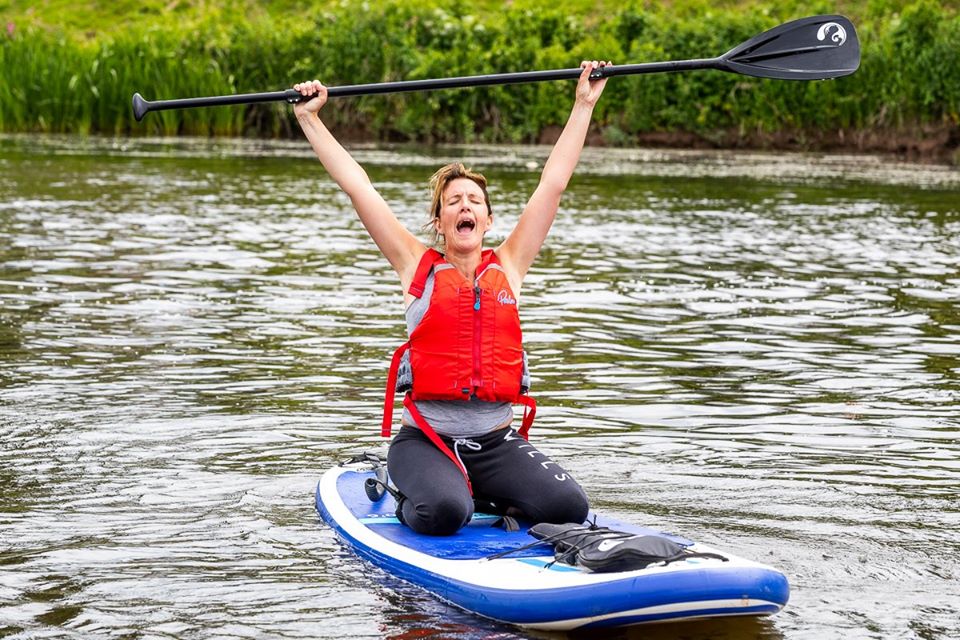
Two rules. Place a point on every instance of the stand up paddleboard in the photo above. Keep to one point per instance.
(526, 587)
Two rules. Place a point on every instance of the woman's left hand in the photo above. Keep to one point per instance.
(588, 91)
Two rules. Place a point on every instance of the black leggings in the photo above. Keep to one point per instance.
(504, 470)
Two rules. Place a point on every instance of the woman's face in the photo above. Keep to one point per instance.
(464, 217)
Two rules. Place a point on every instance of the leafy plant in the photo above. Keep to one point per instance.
(73, 79)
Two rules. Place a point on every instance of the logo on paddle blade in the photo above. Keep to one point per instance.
(839, 36)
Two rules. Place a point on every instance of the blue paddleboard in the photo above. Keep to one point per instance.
(526, 588)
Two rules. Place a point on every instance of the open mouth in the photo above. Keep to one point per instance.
(466, 226)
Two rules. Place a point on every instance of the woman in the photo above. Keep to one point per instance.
(456, 444)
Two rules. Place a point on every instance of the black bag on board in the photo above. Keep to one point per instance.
(604, 550)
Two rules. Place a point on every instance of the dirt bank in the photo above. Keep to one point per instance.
(938, 144)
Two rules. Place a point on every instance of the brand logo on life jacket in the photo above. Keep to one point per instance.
(504, 297)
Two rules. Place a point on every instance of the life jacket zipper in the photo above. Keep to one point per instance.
(476, 334)
(477, 324)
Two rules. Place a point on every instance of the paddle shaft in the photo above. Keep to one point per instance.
(812, 48)
(141, 106)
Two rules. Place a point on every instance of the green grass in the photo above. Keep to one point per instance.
(72, 68)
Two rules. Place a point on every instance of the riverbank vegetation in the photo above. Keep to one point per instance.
(69, 69)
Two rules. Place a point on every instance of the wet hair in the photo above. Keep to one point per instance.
(439, 181)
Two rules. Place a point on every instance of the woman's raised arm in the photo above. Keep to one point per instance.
(401, 248)
(521, 247)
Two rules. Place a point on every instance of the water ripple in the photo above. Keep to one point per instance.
(191, 331)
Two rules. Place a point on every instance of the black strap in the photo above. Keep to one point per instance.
(375, 459)
(548, 540)
(508, 523)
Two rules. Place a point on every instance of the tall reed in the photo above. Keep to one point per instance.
(51, 82)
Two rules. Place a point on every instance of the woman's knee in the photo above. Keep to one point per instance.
(559, 508)
(442, 517)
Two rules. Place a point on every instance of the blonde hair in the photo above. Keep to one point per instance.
(439, 181)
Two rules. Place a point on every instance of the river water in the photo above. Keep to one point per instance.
(756, 351)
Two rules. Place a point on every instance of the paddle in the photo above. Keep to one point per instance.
(814, 48)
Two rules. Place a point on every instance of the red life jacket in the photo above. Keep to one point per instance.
(468, 343)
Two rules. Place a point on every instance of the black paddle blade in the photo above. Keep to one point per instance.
(814, 48)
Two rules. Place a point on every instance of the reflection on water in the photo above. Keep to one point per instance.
(190, 332)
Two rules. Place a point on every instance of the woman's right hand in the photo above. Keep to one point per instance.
(588, 91)
(310, 107)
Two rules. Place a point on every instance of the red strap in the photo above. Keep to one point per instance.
(391, 390)
(433, 437)
(429, 258)
(529, 413)
(529, 408)
(487, 257)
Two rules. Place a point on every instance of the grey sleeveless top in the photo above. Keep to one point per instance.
(453, 418)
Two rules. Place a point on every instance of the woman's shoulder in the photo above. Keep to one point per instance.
(411, 266)
(514, 277)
